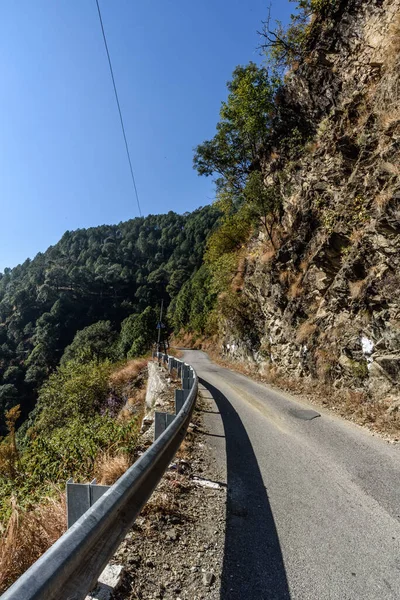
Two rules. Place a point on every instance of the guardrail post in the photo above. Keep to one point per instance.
(78, 500)
(161, 422)
(185, 371)
(187, 383)
(180, 399)
(80, 497)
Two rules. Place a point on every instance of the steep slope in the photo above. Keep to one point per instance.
(104, 273)
(308, 283)
(326, 304)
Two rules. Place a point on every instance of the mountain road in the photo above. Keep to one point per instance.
(313, 501)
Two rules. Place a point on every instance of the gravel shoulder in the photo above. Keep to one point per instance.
(175, 549)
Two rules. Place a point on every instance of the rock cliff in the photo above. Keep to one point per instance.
(325, 303)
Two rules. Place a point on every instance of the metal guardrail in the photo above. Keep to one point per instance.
(71, 567)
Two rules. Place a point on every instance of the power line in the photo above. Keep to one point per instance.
(119, 107)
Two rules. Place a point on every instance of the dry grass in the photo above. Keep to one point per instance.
(184, 339)
(267, 256)
(175, 352)
(325, 361)
(390, 117)
(136, 401)
(238, 281)
(193, 341)
(305, 331)
(305, 263)
(356, 236)
(128, 372)
(296, 289)
(284, 277)
(388, 93)
(357, 288)
(109, 467)
(134, 405)
(29, 535)
(382, 200)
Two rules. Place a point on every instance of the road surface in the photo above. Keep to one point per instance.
(313, 506)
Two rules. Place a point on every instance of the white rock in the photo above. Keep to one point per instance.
(367, 345)
(108, 581)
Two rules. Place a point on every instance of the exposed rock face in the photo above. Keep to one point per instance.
(326, 305)
(157, 395)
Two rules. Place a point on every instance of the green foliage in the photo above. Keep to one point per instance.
(8, 396)
(285, 45)
(138, 334)
(194, 303)
(194, 307)
(320, 5)
(71, 424)
(71, 451)
(75, 390)
(243, 130)
(94, 342)
(179, 309)
(65, 296)
(233, 231)
(264, 203)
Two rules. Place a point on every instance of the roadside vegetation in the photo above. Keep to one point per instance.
(86, 424)
(257, 135)
(90, 283)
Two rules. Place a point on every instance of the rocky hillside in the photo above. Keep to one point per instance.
(324, 304)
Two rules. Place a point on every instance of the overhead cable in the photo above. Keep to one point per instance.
(119, 107)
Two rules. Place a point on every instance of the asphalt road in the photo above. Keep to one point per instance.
(313, 506)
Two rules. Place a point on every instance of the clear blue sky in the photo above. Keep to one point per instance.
(62, 159)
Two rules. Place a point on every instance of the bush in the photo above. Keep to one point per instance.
(93, 342)
(138, 333)
(75, 390)
(73, 423)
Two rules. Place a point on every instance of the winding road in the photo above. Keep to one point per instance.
(313, 504)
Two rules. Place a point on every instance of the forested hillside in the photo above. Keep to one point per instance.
(100, 277)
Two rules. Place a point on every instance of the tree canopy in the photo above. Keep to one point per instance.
(72, 299)
(242, 134)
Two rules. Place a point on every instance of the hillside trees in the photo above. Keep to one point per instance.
(261, 128)
(191, 307)
(137, 333)
(242, 135)
(245, 136)
(250, 123)
(94, 341)
(91, 276)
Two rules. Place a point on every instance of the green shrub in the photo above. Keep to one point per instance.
(74, 390)
(71, 425)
